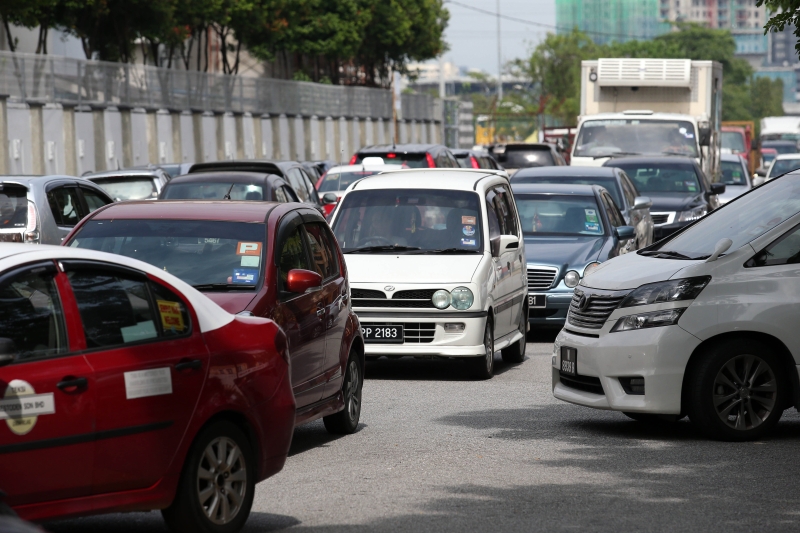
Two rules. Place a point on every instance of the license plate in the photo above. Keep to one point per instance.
(383, 334)
(537, 300)
(10, 237)
(569, 360)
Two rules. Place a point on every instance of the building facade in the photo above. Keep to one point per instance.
(611, 20)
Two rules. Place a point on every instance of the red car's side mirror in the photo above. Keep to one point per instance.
(299, 280)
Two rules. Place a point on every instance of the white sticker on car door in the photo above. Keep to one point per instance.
(143, 383)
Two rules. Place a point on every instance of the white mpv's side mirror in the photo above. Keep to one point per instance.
(508, 242)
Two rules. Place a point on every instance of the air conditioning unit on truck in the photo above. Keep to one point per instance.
(650, 107)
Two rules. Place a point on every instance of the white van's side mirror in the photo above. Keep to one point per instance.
(508, 242)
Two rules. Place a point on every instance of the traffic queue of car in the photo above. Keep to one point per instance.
(161, 357)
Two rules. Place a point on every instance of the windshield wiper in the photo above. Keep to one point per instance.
(222, 286)
(665, 253)
(450, 251)
(615, 154)
(383, 248)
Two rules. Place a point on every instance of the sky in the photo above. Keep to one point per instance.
(472, 36)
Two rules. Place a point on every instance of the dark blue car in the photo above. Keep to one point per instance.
(569, 230)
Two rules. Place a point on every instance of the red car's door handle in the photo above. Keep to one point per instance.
(71, 383)
(194, 364)
(321, 311)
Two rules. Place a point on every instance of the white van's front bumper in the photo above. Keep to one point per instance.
(659, 355)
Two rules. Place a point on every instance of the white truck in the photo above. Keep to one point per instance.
(650, 107)
(780, 129)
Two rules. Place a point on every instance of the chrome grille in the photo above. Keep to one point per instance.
(601, 305)
(413, 332)
(541, 278)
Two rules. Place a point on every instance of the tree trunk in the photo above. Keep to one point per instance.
(11, 45)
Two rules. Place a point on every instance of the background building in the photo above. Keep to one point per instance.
(611, 20)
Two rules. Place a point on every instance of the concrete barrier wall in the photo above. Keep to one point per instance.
(54, 139)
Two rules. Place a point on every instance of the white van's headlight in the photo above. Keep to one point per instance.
(673, 290)
(441, 299)
(571, 279)
(462, 298)
(667, 317)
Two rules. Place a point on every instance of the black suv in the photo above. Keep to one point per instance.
(409, 155)
(680, 191)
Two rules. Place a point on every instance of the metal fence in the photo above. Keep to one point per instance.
(69, 81)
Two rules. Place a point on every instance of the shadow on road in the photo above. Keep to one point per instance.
(314, 435)
(409, 368)
(153, 523)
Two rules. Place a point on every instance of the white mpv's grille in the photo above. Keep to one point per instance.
(541, 278)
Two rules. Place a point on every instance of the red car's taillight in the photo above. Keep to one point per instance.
(354, 159)
(474, 162)
(429, 159)
(281, 345)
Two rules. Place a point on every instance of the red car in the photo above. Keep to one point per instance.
(274, 260)
(124, 389)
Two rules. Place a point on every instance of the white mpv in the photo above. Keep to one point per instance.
(704, 323)
(436, 265)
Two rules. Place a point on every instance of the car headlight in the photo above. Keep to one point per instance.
(461, 298)
(667, 317)
(666, 291)
(571, 279)
(691, 214)
(589, 268)
(441, 299)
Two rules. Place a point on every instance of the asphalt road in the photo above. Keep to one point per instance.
(438, 451)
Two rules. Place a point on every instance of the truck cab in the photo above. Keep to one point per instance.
(649, 107)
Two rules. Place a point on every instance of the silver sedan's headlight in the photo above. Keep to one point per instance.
(571, 279)
(441, 299)
(461, 298)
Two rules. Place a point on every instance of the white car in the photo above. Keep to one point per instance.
(782, 164)
(339, 178)
(702, 324)
(436, 264)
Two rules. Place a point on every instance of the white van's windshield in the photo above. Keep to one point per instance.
(409, 221)
(741, 221)
(599, 138)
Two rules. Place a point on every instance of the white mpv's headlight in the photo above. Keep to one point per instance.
(667, 317)
(441, 299)
(666, 291)
(461, 298)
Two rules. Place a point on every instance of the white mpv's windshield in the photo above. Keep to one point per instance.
(742, 221)
(409, 221)
(636, 136)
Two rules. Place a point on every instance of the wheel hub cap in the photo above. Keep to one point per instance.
(222, 480)
(745, 392)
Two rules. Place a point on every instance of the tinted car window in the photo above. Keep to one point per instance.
(503, 203)
(173, 317)
(65, 205)
(783, 252)
(298, 183)
(309, 185)
(397, 158)
(115, 310)
(627, 190)
(613, 214)
(662, 177)
(31, 317)
(129, 188)
(323, 256)
(13, 206)
(546, 214)
(733, 173)
(278, 195)
(609, 183)
(204, 190)
(93, 200)
(339, 181)
(526, 157)
(782, 166)
(292, 256)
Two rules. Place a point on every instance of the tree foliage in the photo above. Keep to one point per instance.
(348, 41)
(554, 68)
(783, 13)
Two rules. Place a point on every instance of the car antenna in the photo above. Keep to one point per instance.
(394, 146)
(228, 194)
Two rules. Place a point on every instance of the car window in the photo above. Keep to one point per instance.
(173, 316)
(627, 191)
(31, 318)
(784, 251)
(323, 255)
(64, 205)
(493, 218)
(219, 190)
(504, 207)
(292, 255)
(298, 183)
(339, 181)
(13, 206)
(733, 173)
(523, 157)
(278, 195)
(609, 183)
(93, 200)
(133, 188)
(115, 309)
(782, 166)
(612, 211)
(312, 191)
(662, 177)
(551, 214)
(291, 196)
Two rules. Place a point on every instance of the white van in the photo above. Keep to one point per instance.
(436, 264)
(703, 323)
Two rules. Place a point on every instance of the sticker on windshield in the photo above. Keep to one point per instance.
(468, 242)
(245, 276)
(469, 231)
(690, 186)
(144, 383)
(248, 248)
(591, 215)
(20, 406)
(171, 316)
(251, 261)
(689, 135)
(591, 226)
(468, 220)
(201, 240)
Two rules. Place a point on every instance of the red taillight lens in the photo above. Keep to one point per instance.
(474, 162)
(391, 156)
(354, 159)
(429, 159)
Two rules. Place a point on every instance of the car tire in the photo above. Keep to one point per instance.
(205, 505)
(345, 421)
(736, 391)
(515, 353)
(483, 366)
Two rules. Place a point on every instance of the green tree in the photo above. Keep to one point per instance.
(783, 13)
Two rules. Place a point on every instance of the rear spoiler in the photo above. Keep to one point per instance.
(262, 167)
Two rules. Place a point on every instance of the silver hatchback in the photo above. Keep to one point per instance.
(43, 209)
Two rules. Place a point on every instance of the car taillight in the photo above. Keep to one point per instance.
(391, 156)
(474, 162)
(354, 159)
(32, 227)
(280, 345)
(429, 159)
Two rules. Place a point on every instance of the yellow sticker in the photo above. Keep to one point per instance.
(171, 316)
